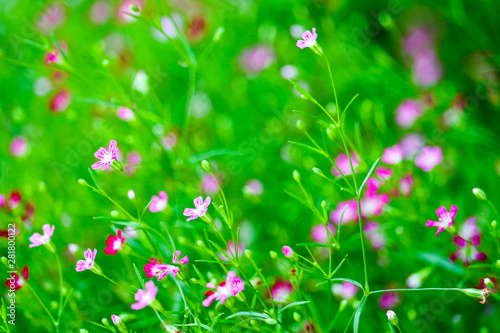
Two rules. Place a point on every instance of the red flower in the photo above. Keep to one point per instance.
(114, 243)
(17, 282)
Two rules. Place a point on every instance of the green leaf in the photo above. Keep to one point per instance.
(303, 91)
(292, 304)
(357, 314)
(249, 313)
(344, 113)
(219, 249)
(368, 175)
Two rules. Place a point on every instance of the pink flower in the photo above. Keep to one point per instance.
(88, 263)
(389, 300)
(125, 113)
(392, 155)
(53, 57)
(116, 319)
(309, 39)
(419, 39)
(429, 158)
(159, 202)
(253, 187)
(319, 234)
(133, 160)
(2, 200)
(125, 10)
(281, 291)
(466, 252)
(114, 243)
(209, 184)
(406, 184)
(231, 251)
(51, 17)
(376, 238)
(412, 144)
(350, 214)
(170, 141)
(19, 146)
(383, 172)
(256, 59)
(145, 297)
(287, 251)
(60, 101)
(15, 199)
(100, 13)
(16, 281)
(157, 268)
(427, 70)
(231, 287)
(37, 239)
(445, 218)
(342, 162)
(200, 210)
(106, 157)
(346, 290)
(471, 231)
(407, 112)
(373, 204)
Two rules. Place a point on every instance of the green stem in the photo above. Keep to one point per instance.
(43, 306)
(418, 289)
(334, 90)
(367, 287)
(59, 314)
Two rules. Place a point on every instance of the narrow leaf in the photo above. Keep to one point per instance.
(368, 175)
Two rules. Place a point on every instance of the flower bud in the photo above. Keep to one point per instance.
(254, 322)
(297, 317)
(296, 176)
(96, 269)
(83, 182)
(200, 243)
(218, 33)
(50, 246)
(480, 294)
(494, 224)
(116, 319)
(300, 125)
(270, 321)
(5, 261)
(105, 321)
(488, 283)
(273, 255)
(342, 305)
(248, 254)
(206, 165)
(287, 251)
(318, 172)
(393, 318)
(82, 330)
(323, 204)
(479, 194)
(193, 280)
(330, 134)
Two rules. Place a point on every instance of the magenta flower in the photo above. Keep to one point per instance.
(209, 184)
(2, 200)
(19, 146)
(37, 239)
(342, 162)
(466, 252)
(114, 243)
(256, 59)
(309, 39)
(88, 263)
(383, 172)
(471, 231)
(170, 141)
(373, 203)
(287, 251)
(445, 218)
(60, 101)
(105, 156)
(427, 70)
(281, 291)
(253, 187)
(429, 158)
(177, 255)
(417, 40)
(345, 290)
(377, 238)
(116, 319)
(157, 268)
(17, 281)
(159, 202)
(392, 155)
(15, 199)
(231, 287)
(407, 112)
(406, 184)
(389, 300)
(145, 297)
(125, 113)
(230, 251)
(319, 234)
(412, 144)
(350, 214)
(200, 210)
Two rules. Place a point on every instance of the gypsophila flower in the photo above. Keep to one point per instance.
(445, 218)
(158, 202)
(106, 156)
(429, 158)
(88, 263)
(231, 287)
(37, 239)
(114, 243)
(200, 210)
(156, 268)
(16, 281)
(287, 251)
(392, 155)
(309, 39)
(145, 297)
(116, 320)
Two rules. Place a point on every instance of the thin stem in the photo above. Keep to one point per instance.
(367, 287)
(334, 90)
(60, 289)
(418, 289)
(43, 305)
(185, 127)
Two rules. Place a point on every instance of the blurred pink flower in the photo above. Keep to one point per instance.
(209, 184)
(406, 184)
(389, 300)
(125, 113)
(281, 291)
(470, 231)
(60, 101)
(106, 157)
(407, 112)
(2, 200)
(88, 263)
(429, 158)
(345, 290)
(373, 204)
(231, 287)
(130, 232)
(342, 162)
(377, 238)
(466, 252)
(100, 12)
(256, 59)
(384, 173)
(37, 239)
(19, 146)
(309, 39)
(15, 199)
(124, 9)
(159, 202)
(350, 214)
(51, 18)
(116, 319)
(392, 155)
(253, 187)
(133, 160)
(445, 218)
(114, 243)
(177, 255)
(200, 209)
(419, 39)
(319, 234)
(231, 251)
(170, 141)
(287, 251)
(427, 70)
(157, 268)
(412, 144)
(145, 297)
